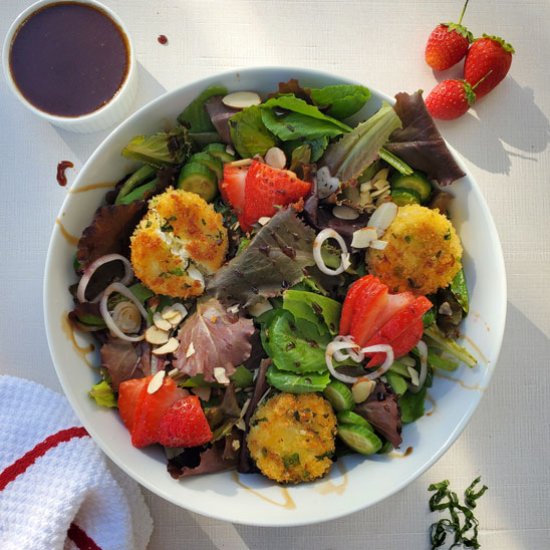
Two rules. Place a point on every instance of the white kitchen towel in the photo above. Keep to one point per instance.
(56, 491)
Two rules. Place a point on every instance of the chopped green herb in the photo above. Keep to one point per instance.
(465, 528)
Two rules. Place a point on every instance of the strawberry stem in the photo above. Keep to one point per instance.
(481, 79)
(463, 11)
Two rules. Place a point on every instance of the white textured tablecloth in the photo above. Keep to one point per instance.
(504, 143)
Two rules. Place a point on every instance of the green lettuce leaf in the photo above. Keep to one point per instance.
(160, 149)
(249, 134)
(195, 116)
(412, 405)
(323, 312)
(352, 154)
(342, 100)
(460, 290)
(103, 394)
(296, 383)
(299, 120)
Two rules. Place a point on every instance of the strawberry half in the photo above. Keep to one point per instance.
(184, 424)
(401, 330)
(267, 188)
(141, 411)
(232, 186)
(128, 395)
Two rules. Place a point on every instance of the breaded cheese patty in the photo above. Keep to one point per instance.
(291, 437)
(423, 252)
(179, 240)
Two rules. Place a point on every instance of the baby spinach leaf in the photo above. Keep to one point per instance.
(292, 126)
(341, 100)
(295, 345)
(249, 133)
(294, 383)
(299, 106)
(323, 312)
(412, 406)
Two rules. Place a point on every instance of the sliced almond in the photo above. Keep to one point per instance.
(241, 100)
(362, 389)
(229, 150)
(236, 444)
(240, 425)
(362, 238)
(233, 309)
(241, 162)
(381, 175)
(264, 220)
(377, 244)
(190, 351)
(156, 382)
(221, 376)
(345, 213)
(161, 323)
(276, 158)
(155, 335)
(170, 347)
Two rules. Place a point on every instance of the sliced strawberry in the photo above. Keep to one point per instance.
(348, 308)
(397, 325)
(128, 395)
(267, 188)
(184, 424)
(232, 186)
(369, 312)
(151, 407)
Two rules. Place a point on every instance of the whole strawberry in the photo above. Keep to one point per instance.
(448, 44)
(490, 56)
(450, 99)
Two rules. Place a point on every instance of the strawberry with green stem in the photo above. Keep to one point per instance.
(487, 54)
(450, 99)
(448, 44)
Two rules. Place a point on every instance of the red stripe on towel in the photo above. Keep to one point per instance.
(81, 538)
(29, 458)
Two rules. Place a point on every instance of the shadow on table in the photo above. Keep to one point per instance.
(507, 123)
(83, 145)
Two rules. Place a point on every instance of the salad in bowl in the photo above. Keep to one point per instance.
(274, 287)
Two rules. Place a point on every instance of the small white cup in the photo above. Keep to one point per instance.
(109, 114)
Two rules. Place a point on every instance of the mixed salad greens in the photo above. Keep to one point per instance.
(274, 285)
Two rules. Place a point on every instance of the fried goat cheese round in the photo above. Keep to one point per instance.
(423, 252)
(291, 437)
(179, 240)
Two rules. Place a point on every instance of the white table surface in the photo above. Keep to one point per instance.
(505, 144)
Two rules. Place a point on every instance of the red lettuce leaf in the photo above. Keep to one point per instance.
(272, 262)
(213, 338)
(109, 232)
(419, 142)
(382, 411)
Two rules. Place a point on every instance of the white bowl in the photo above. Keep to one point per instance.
(354, 483)
(106, 116)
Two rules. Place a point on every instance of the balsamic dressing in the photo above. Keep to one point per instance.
(61, 167)
(69, 59)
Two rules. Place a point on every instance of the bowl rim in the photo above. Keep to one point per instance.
(230, 515)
